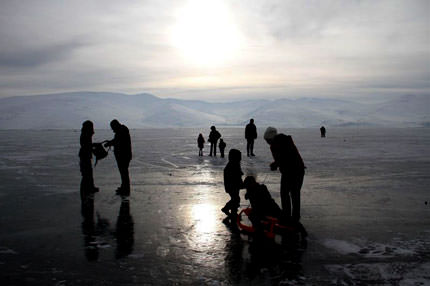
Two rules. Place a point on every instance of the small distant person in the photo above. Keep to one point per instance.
(200, 144)
(250, 136)
(222, 146)
(233, 182)
(287, 158)
(85, 159)
(322, 130)
(122, 151)
(214, 135)
(261, 201)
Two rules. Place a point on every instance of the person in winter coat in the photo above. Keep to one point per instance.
(122, 151)
(222, 146)
(250, 136)
(214, 135)
(233, 182)
(200, 144)
(289, 162)
(85, 158)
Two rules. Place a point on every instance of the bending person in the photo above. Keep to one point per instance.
(287, 158)
(122, 150)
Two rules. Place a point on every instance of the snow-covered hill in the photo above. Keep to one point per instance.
(69, 110)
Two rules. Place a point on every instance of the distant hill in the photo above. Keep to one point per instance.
(69, 110)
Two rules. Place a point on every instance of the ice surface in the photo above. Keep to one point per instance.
(363, 204)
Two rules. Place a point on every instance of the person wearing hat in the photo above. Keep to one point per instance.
(233, 183)
(289, 162)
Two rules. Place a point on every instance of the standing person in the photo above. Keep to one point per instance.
(287, 158)
(122, 150)
(214, 135)
(322, 130)
(222, 146)
(233, 182)
(250, 136)
(85, 159)
(200, 144)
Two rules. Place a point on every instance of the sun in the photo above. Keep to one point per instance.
(205, 33)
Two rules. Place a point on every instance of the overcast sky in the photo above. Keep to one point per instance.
(216, 50)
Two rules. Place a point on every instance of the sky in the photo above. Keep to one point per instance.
(216, 50)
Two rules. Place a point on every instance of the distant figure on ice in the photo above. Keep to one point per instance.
(250, 136)
(200, 144)
(85, 159)
(233, 183)
(261, 201)
(222, 146)
(287, 158)
(214, 135)
(322, 130)
(122, 150)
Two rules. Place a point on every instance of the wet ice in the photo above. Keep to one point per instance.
(362, 204)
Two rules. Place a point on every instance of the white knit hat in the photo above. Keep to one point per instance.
(270, 133)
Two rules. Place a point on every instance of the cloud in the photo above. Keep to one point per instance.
(36, 56)
(287, 48)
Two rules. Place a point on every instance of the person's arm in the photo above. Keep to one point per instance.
(109, 143)
(275, 154)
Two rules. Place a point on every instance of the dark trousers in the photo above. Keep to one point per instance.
(222, 152)
(234, 202)
(290, 195)
(123, 171)
(213, 148)
(87, 182)
(249, 146)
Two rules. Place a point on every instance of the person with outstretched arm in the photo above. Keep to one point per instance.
(289, 162)
(122, 151)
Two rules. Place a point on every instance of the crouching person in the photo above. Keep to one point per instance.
(261, 201)
(263, 205)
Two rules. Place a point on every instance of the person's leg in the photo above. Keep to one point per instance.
(248, 145)
(285, 197)
(251, 147)
(123, 170)
(211, 150)
(296, 185)
(236, 202)
(215, 143)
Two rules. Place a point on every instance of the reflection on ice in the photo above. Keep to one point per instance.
(203, 217)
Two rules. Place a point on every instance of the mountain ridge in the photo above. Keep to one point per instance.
(145, 110)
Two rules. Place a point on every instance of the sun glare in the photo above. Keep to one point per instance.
(205, 33)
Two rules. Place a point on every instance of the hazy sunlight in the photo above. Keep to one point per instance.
(205, 33)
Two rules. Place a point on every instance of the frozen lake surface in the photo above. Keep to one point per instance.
(365, 205)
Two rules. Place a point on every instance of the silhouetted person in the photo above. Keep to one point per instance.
(222, 146)
(322, 130)
(233, 182)
(214, 135)
(261, 202)
(287, 158)
(85, 159)
(200, 144)
(124, 231)
(250, 136)
(122, 150)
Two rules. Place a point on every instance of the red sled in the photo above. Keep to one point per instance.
(271, 226)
